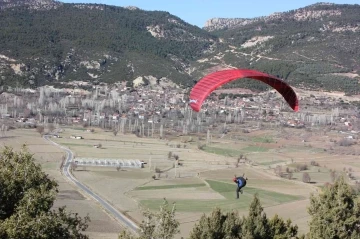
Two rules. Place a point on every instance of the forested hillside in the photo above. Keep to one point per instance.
(73, 42)
(47, 42)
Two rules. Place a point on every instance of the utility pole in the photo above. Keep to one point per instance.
(161, 130)
(175, 167)
(150, 164)
(152, 129)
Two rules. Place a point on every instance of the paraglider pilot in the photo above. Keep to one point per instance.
(240, 182)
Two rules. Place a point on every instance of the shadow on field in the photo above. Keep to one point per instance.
(70, 194)
(8, 137)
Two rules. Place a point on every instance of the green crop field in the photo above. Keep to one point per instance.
(171, 186)
(268, 198)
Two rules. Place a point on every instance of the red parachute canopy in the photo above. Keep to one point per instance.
(212, 81)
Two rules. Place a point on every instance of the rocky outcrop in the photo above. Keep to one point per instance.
(133, 8)
(223, 23)
(32, 4)
(303, 14)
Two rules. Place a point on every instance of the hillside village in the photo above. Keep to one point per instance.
(109, 106)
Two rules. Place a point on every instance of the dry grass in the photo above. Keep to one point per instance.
(202, 193)
(117, 186)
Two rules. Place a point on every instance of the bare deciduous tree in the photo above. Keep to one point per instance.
(333, 175)
(73, 166)
(306, 178)
(278, 170)
(40, 129)
(51, 127)
(62, 161)
(237, 162)
(161, 225)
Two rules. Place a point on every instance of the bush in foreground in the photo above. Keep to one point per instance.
(217, 225)
(26, 197)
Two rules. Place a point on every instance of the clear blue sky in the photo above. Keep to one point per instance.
(197, 12)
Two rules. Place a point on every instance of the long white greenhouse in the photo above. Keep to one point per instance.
(123, 163)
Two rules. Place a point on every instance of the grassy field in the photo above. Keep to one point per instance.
(233, 152)
(266, 139)
(267, 163)
(215, 164)
(170, 186)
(227, 190)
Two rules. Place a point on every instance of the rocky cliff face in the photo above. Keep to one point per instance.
(224, 23)
(303, 14)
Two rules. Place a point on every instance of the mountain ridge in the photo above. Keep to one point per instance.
(297, 14)
(31, 4)
(312, 47)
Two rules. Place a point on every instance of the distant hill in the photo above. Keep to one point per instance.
(314, 47)
(48, 42)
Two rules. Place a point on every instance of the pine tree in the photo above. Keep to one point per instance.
(335, 212)
(282, 230)
(156, 225)
(255, 226)
(217, 226)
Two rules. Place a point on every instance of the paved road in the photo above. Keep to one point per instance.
(66, 171)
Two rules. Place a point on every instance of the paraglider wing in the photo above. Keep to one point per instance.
(210, 82)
